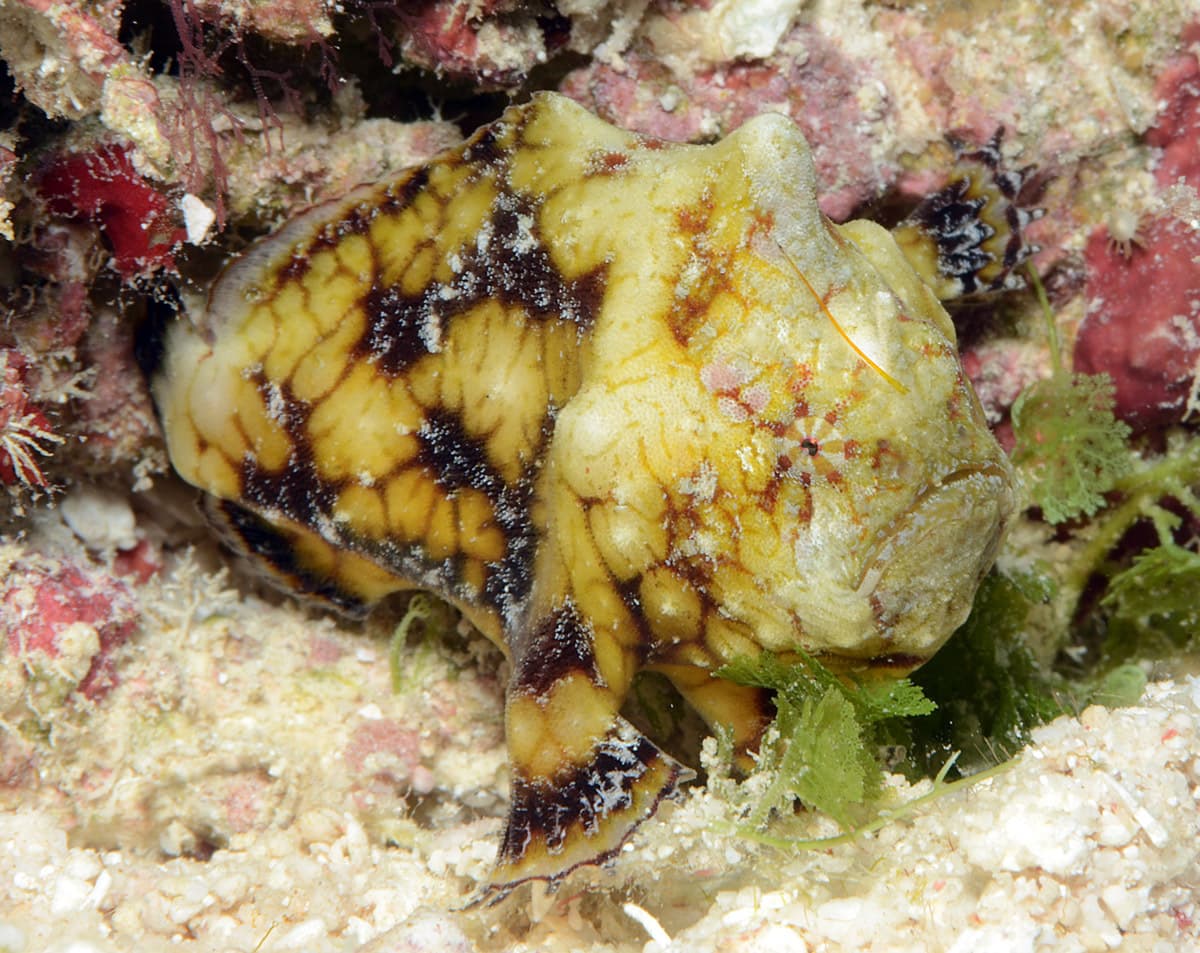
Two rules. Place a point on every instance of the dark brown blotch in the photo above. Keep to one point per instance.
(560, 644)
(486, 146)
(545, 811)
(355, 220)
(399, 330)
(456, 460)
(400, 194)
(520, 271)
(296, 490)
(899, 662)
(273, 553)
(515, 270)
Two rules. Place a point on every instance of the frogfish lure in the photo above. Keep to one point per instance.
(627, 404)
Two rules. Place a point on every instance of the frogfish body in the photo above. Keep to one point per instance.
(628, 405)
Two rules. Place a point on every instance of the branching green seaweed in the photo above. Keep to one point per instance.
(988, 685)
(823, 746)
(1078, 462)
(407, 662)
(1143, 496)
(1154, 603)
(885, 815)
(1070, 446)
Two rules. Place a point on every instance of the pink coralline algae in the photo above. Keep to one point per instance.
(819, 88)
(62, 260)
(140, 563)
(1177, 130)
(102, 187)
(68, 619)
(384, 760)
(1000, 370)
(116, 422)
(1143, 321)
(491, 44)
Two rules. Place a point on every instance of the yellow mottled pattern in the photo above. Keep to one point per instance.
(548, 734)
(719, 423)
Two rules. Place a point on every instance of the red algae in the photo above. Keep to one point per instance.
(67, 619)
(1143, 288)
(1177, 128)
(103, 187)
(1143, 320)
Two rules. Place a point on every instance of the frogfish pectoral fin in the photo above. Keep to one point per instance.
(298, 560)
(583, 778)
(584, 812)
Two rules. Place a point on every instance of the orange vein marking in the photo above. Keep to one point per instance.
(840, 330)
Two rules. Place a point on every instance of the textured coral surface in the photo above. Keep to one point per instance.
(1143, 286)
(188, 762)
